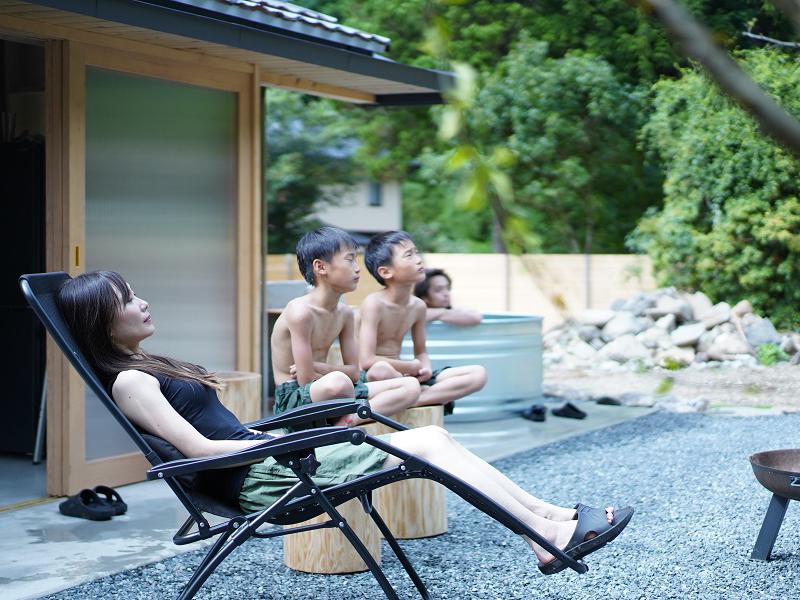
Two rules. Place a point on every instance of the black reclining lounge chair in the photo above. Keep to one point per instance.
(303, 500)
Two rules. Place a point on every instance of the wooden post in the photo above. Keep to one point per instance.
(416, 508)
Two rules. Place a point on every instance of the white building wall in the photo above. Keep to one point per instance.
(352, 211)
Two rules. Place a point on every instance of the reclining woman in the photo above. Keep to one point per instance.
(177, 401)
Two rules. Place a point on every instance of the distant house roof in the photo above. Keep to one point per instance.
(309, 22)
(295, 47)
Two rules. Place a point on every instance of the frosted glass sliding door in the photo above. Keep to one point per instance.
(160, 209)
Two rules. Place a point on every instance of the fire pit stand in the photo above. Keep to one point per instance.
(779, 472)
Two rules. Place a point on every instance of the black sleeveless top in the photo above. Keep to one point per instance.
(201, 407)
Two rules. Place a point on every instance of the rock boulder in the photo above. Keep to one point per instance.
(624, 348)
(622, 323)
(595, 316)
(761, 331)
(688, 335)
(716, 315)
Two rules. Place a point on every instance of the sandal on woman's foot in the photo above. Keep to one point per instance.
(111, 498)
(590, 521)
(86, 505)
(580, 507)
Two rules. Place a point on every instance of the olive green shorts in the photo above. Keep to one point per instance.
(290, 394)
(267, 481)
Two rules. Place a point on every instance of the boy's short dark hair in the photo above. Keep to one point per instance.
(421, 289)
(321, 244)
(379, 251)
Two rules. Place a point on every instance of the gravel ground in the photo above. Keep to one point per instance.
(698, 505)
(764, 387)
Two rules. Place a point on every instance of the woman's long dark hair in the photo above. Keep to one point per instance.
(90, 302)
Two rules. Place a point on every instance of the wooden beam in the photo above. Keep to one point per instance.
(46, 31)
(314, 88)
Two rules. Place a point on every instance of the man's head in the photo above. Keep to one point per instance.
(392, 256)
(320, 250)
(434, 289)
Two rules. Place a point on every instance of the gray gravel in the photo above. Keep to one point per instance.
(698, 505)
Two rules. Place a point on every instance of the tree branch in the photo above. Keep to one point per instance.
(769, 40)
(698, 45)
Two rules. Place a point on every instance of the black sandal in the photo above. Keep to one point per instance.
(537, 413)
(589, 521)
(86, 505)
(570, 411)
(111, 497)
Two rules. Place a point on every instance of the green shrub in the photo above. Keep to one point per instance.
(665, 385)
(770, 354)
(730, 224)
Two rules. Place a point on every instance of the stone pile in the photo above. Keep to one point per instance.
(665, 328)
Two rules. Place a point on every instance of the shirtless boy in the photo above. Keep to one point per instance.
(386, 317)
(434, 291)
(309, 325)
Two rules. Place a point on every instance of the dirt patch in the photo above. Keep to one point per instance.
(775, 387)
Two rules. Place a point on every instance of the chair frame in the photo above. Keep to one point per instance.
(303, 500)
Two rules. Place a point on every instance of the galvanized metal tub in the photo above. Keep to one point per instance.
(508, 345)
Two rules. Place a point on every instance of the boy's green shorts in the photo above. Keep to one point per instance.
(290, 394)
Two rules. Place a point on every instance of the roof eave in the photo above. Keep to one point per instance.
(170, 17)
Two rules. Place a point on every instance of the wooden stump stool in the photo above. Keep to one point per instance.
(416, 508)
(327, 550)
(242, 394)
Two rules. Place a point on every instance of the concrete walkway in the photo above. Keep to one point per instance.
(42, 552)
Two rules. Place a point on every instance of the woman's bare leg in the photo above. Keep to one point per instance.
(435, 445)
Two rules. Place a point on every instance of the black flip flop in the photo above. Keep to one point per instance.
(537, 413)
(110, 497)
(570, 411)
(86, 505)
(590, 522)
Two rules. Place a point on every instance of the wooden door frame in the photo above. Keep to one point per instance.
(68, 469)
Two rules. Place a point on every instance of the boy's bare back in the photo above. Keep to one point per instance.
(325, 328)
(392, 321)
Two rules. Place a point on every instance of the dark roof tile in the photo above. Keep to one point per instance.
(315, 23)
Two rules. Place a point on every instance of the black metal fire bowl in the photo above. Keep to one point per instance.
(779, 472)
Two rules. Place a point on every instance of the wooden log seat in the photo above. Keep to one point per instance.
(416, 508)
(327, 550)
(241, 394)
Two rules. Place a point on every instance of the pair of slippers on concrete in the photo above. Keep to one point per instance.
(98, 504)
(592, 532)
(538, 412)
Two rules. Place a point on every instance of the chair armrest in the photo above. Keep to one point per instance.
(327, 409)
(293, 442)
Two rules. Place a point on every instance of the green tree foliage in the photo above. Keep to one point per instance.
(309, 147)
(482, 32)
(730, 224)
(578, 180)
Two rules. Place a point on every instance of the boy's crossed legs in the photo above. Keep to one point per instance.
(445, 386)
(386, 397)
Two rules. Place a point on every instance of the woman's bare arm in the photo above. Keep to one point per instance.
(139, 396)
